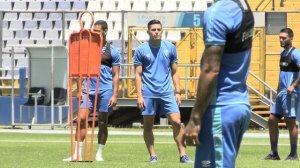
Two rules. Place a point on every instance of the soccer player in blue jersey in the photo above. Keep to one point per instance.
(155, 64)
(221, 113)
(107, 93)
(287, 98)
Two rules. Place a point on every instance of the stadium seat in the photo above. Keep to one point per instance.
(113, 35)
(200, 5)
(118, 26)
(42, 42)
(139, 5)
(169, 5)
(71, 16)
(20, 6)
(6, 6)
(6, 62)
(22, 62)
(46, 25)
(31, 25)
(124, 5)
(185, 5)
(173, 35)
(94, 5)
(78, 5)
(109, 5)
(58, 25)
(34, 6)
(64, 6)
(154, 5)
(25, 16)
(56, 42)
(22, 34)
(37, 34)
(52, 34)
(142, 35)
(27, 42)
(115, 16)
(40, 16)
(5, 24)
(16, 25)
(10, 16)
(100, 16)
(55, 16)
(49, 6)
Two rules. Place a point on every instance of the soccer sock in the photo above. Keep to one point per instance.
(80, 149)
(293, 149)
(100, 149)
(274, 148)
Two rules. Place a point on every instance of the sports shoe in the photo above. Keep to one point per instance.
(292, 158)
(153, 159)
(99, 157)
(272, 157)
(185, 159)
(69, 159)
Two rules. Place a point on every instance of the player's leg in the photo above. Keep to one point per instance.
(169, 107)
(274, 118)
(290, 120)
(149, 116)
(103, 102)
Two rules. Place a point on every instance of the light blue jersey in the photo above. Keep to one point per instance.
(156, 63)
(222, 18)
(287, 78)
(105, 73)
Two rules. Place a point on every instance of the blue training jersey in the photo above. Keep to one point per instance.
(156, 64)
(105, 73)
(225, 17)
(287, 78)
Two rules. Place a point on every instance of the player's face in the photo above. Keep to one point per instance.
(98, 29)
(155, 32)
(285, 40)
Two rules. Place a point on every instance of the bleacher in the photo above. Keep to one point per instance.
(50, 22)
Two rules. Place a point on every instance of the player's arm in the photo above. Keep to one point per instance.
(115, 80)
(175, 77)
(138, 84)
(297, 81)
(207, 80)
(206, 88)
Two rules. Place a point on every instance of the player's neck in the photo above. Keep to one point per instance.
(287, 48)
(155, 43)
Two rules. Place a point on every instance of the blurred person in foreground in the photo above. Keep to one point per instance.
(221, 113)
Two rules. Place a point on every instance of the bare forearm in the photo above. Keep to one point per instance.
(115, 85)
(176, 82)
(138, 82)
(205, 91)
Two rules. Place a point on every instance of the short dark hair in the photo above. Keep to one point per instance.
(288, 31)
(102, 23)
(152, 22)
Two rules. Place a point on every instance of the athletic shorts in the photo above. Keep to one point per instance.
(102, 103)
(162, 105)
(286, 105)
(222, 130)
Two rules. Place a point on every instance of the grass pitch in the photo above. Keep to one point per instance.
(47, 150)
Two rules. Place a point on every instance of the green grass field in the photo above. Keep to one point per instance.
(27, 150)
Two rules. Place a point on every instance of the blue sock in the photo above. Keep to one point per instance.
(274, 148)
(293, 149)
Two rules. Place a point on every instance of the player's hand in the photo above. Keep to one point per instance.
(141, 103)
(190, 134)
(112, 102)
(178, 99)
(290, 89)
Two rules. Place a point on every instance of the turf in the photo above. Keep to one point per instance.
(48, 150)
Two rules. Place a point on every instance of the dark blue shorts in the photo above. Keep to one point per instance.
(286, 105)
